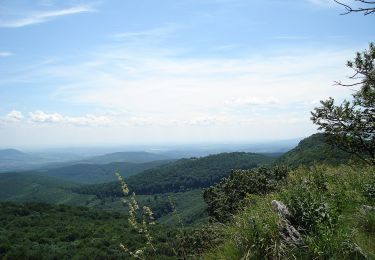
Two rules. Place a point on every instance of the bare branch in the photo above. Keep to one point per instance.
(365, 10)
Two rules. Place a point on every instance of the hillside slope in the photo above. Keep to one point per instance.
(133, 157)
(32, 187)
(99, 173)
(12, 159)
(183, 175)
(314, 149)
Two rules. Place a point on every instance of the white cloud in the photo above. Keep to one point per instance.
(14, 116)
(153, 93)
(5, 54)
(252, 101)
(291, 37)
(56, 118)
(42, 117)
(322, 2)
(89, 120)
(181, 89)
(41, 17)
(155, 32)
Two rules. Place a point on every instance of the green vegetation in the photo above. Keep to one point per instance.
(41, 231)
(100, 173)
(331, 207)
(182, 175)
(226, 197)
(314, 149)
(32, 187)
(132, 157)
(351, 125)
(27, 187)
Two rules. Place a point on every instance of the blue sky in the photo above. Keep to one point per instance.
(118, 71)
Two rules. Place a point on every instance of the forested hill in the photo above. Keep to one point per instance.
(133, 157)
(100, 173)
(314, 149)
(183, 175)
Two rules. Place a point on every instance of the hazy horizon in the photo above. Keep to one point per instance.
(123, 147)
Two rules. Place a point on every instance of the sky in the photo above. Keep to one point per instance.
(170, 71)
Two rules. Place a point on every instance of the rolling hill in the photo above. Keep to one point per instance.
(12, 159)
(32, 187)
(314, 149)
(99, 173)
(133, 157)
(183, 175)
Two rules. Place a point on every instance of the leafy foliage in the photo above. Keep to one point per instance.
(252, 234)
(99, 173)
(182, 175)
(351, 125)
(227, 197)
(41, 231)
(34, 187)
(326, 206)
(314, 149)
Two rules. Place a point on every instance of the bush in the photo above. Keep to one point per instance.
(253, 234)
(227, 197)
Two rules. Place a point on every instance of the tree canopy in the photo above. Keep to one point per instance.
(351, 125)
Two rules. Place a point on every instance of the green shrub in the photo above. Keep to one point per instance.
(227, 197)
(253, 234)
(309, 208)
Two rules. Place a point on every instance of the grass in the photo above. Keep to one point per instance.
(326, 203)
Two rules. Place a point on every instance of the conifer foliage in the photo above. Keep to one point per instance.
(351, 125)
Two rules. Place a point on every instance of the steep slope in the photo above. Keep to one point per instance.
(99, 173)
(314, 149)
(183, 175)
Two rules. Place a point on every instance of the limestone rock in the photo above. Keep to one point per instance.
(289, 233)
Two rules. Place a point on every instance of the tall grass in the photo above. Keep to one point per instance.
(326, 204)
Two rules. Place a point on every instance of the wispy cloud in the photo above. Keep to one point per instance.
(252, 101)
(328, 3)
(182, 91)
(42, 117)
(155, 32)
(291, 37)
(14, 116)
(41, 17)
(5, 54)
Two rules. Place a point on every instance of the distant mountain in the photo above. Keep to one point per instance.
(183, 175)
(13, 154)
(133, 157)
(314, 149)
(100, 173)
(12, 160)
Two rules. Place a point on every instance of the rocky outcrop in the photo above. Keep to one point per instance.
(287, 231)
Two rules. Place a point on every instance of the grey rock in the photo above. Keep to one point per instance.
(288, 233)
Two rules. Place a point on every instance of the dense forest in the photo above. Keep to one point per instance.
(99, 173)
(315, 149)
(45, 231)
(182, 175)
